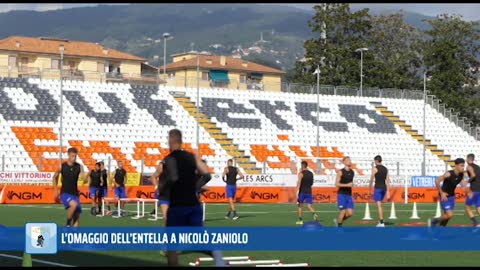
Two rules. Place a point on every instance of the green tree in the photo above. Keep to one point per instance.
(450, 54)
(345, 31)
(396, 50)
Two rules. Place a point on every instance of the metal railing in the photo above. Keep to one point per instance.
(133, 78)
(80, 75)
(454, 117)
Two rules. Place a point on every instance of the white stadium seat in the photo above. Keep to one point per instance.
(284, 123)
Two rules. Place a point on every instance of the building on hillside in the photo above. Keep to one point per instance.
(255, 49)
(40, 57)
(222, 71)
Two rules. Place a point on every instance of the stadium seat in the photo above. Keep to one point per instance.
(271, 130)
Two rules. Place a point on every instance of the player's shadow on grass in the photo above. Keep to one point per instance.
(203, 252)
(223, 218)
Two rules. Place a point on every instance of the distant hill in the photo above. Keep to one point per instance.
(412, 18)
(218, 28)
(134, 28)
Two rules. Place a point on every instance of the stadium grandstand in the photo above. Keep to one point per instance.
(225, 150)
(264, 132)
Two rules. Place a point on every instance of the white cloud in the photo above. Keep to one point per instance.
(39, 7)
(468, 11)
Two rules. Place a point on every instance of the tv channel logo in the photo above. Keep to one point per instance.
(41, 238)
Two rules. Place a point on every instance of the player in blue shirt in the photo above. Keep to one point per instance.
(95, 184)
(473, 196)
(344, 182)
(382, 185)
(231, 175)
(71, 172)
(105, 180)
(161, 191)
(120, 178)
(446, 191)
(304, 191)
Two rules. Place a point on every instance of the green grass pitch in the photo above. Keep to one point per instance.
(250, 215)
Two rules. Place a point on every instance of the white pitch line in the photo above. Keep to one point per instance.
(240, 212)
(36, 260)
(317, 211)
(250, 212)
(41, 206)
(280, 204)
(260, 212)
(251, 204)
(57, 207)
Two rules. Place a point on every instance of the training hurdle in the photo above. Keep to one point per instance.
(140, 210)
(203, 211)
(254, 262)
(210, 259)
(247, 260)
(284, 265)
(140, 213)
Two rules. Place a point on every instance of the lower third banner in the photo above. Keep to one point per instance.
(41, 238)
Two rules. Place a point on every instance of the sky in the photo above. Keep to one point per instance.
(468, 11)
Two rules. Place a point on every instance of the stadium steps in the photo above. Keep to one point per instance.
(393, 118)
(388, 113)
(433, 148)
(379, 106)
(243, 159)
(221, 138)
(413, 133)
(406, 127)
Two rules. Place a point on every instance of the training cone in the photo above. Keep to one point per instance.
(415, 212)
(27, 260)
(367, 213)
(438, 213)
(393, 214)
